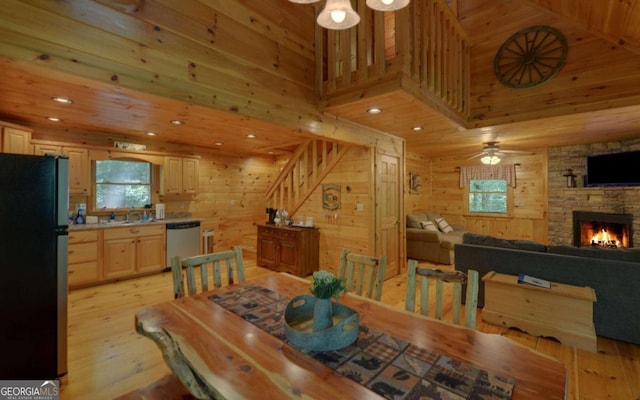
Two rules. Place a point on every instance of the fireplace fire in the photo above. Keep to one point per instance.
(602, 229)
(603, 239)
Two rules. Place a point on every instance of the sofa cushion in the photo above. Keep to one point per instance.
(444, 225)
(413, 221)
(486, 240)
(423, 235)
(631, 255)
(449, 240)
(528, 245)
(428, 225)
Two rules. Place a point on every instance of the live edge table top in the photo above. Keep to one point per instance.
(219, 353)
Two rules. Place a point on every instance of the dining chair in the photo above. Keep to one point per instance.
(370, 273)
(214, 260)
(457, 278)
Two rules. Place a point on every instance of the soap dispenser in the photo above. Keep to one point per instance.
(79, 217)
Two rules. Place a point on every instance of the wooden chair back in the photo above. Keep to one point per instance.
(360, 271)
(457, 278)
(187, 265)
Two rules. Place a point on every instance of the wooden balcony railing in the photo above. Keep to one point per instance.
(304, 171)
(423, 46)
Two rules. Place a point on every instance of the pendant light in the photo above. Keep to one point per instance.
(387, 5)
(338, 14)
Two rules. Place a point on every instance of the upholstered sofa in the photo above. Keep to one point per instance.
(614, 274)
(432, 245)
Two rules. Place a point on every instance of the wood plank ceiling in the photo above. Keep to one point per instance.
(229, 69)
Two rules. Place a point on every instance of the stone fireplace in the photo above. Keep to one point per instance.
(563, 200)
(598, 229)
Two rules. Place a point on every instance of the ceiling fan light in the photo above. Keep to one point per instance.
(338, 14)
(387, 5)
(490, 160)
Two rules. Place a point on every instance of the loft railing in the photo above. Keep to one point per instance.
(304, 171)
(421, 48)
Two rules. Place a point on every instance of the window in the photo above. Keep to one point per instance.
(488, 196)
(122, 184)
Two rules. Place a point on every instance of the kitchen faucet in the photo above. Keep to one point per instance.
(130, 216)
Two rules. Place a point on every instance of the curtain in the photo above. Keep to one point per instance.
(506, 172)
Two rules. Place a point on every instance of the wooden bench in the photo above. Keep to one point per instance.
(564, 312)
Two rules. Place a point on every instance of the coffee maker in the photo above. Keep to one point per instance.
(272, 215)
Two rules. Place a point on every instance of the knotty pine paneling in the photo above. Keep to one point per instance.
(529, 220)
(598, 73)
(420, 200)
(345, 227)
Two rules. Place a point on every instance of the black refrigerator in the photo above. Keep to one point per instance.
(34, 200)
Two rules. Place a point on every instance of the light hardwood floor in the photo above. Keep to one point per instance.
(107, 358)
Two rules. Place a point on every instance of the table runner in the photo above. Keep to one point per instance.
(392, 368)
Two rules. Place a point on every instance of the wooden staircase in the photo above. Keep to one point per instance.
(305, 170)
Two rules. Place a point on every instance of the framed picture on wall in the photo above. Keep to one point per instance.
(331, 196)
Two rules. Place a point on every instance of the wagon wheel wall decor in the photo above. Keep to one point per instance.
(530, 57)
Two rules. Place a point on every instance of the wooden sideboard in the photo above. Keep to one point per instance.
(295, 250)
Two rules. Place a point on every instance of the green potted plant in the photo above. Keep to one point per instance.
(324, 286)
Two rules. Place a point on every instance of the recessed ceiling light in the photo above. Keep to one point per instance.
(251, 136)
(271, 152)
(177, 122)
(62, 100)
(54, 119)
(374, 110)
(218, 143)
(151, 134)
(418, 128)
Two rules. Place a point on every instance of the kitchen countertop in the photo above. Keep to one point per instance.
(122, 224)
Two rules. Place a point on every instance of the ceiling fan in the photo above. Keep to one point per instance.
(491, 153)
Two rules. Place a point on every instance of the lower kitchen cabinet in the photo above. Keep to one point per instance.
(289, 249)
(133, 250)
(82, 258)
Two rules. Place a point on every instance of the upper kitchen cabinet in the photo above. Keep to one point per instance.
(79, 167)
(16, 140)
(79, 170)
(180, 176)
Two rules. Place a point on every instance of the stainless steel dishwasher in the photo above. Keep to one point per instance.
(183, 240)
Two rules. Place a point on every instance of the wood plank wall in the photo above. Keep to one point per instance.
(345, 227)
(420, 200)
(529, 219)
(231, 198)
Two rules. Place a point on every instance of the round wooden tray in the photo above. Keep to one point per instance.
(298, 318)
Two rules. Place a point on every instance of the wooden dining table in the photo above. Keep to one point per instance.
(218, 354)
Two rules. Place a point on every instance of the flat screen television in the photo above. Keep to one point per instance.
(614, 169)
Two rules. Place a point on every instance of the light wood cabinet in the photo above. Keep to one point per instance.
(41, 149)
(180, 175)
(82, 258)
(15, 140)
(79, 170)
(133, 250)
(288, 249)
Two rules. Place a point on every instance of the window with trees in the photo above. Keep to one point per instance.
(489, 196)
(122, 183)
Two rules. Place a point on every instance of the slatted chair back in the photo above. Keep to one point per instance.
(213, 260)
(457, 278)
(360, 271)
